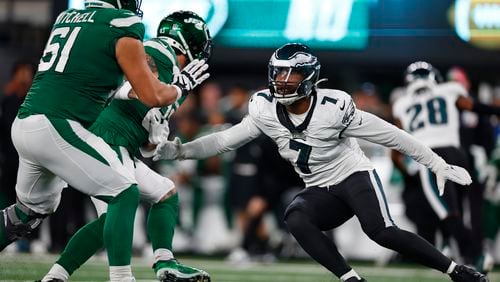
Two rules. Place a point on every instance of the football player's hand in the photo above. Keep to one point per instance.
(191, 76)
(156, 125)
(168, 150)
(453, 173)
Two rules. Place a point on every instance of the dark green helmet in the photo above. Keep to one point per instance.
(187, 33)
(131, 5)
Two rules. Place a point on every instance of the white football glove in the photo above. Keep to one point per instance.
(451, 172)
(156, 125)
(191, 76)
(169, 150)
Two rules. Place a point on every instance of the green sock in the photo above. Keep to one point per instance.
(161, 223)
(119, 226)
(85, 243)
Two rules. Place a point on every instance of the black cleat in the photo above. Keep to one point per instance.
(462, 273)
(51, 280)
(354, 279)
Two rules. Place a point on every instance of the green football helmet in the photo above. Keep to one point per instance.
(187, 33)
(131, 5)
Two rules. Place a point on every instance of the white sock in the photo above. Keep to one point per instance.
(56, 272)
(120, 273)
(451, 267)
(163, 254)
(350, 274)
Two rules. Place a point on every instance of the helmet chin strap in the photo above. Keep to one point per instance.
(288, 101)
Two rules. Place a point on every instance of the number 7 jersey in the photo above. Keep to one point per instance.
(431, 114)
(78, 68)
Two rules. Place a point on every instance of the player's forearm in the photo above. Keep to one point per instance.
(220, 142)
(485, 109)
(376, 130)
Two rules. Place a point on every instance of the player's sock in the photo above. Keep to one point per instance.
(411, 246)
(161, 223)
(119, 227)
(84, 244)
(350, 274)
(120, 273)
(56, 272)
(451, 267)
(315, 243)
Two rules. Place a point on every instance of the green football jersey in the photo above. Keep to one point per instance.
(78, 69)
(121, 123)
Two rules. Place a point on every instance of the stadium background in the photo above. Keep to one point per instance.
(364, 47)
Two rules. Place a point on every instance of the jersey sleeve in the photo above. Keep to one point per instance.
(372, 128)
(222, 141)
(456, 89)
(127, 24)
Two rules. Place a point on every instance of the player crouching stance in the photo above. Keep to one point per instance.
(315, 129)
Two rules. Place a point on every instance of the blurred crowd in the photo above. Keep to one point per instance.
(233, 204)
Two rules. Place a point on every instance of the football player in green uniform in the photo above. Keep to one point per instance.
(85, 58)
(129, 126)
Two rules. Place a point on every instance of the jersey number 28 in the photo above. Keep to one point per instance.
(51, 52)
(436, 110)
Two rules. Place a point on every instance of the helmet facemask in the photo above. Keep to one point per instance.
(292, 77)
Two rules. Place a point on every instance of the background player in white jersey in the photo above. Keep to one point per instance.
(429, 110)
(87, 54)
(313, 129)
(128, 127)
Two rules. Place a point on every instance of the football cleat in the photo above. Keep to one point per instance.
(462, 273)
(354, 279)
(51, 280)
(173, 271)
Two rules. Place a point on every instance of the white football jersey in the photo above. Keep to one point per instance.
(318, 153)
(431, 115)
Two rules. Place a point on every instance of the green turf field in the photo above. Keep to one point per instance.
(31, 267)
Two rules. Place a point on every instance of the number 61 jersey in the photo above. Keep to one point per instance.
(315, 147)
(430, 113)
(78, 68)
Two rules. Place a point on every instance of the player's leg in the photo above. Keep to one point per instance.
(82, 245)
(161, 222)
(365, 195)
(38, 190)
(312, 211)
(447, 209)
(88, 164)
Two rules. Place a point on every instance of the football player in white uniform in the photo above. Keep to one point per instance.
(429, 110)
(314, 130)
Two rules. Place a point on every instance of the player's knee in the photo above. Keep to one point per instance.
(169, 195)
(294, 219)
(20, 221)
(385, 235)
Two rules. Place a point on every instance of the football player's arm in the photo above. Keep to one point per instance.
(131, 57)
(222, 141)
(469, 104)
(371, 128)
(209, 145)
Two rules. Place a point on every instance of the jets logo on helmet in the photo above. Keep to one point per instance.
(293, 73)
(187, 33)
(131, 5)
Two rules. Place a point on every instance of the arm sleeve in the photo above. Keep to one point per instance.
(371, 128)
(485, 109)
(222, 141)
